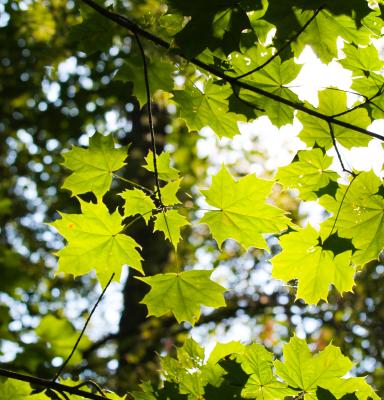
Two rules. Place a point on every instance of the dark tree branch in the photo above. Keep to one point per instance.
(83, 330)
(131, 26)
(292, 39)
(247, 103)
(150, 118)
(367, 100)
(331, 131)
(44, 383)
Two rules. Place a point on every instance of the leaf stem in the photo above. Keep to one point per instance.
(150, 118)
(331, 131)
(83, 330)
(292, 39)
(133, 183)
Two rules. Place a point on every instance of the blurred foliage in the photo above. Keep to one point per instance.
(54, 96)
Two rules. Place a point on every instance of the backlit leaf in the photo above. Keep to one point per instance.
(315, 130)
(315, 269)
(137, 202)
(241, 210)
(168, 193)
(95, 242)
(307, 372)
(360, 216)
(163, 163)
(170, 223)
(308, 174)
(182, 294)
(262, 384)
(208, 108)
(93, 167)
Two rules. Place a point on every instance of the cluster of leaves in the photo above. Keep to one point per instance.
(97, 239)
(241, 76)
(233, 370)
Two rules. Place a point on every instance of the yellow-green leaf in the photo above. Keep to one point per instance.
(182, 294)
(163, 163)
(168, 193)
(170, 223)
(333, 102)
(137, 202)
(360, 215)
(308, 174)
(315, 269)
(242, 212)
(95, 242)
(93, 167)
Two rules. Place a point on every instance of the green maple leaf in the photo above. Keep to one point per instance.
(274, 78)
(12, 389)
(242, 213)
(170, 223)
(303, 371)
(137, 202)
(358, 386)
(322, 33)
(370, 86)
(95, 242)
(257, 362)
(182, 294)
(93, 167)
(163, 163)
(360, 59)
(284, 14)
(222, 350)
(315, 130)
(168, 193)
(316, 269)
(159, 76)
(308, 174)
(208, 108)
(360, 216)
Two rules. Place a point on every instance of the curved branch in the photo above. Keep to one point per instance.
(131, 26)
(83, 330)
(367, 100)
(44, 383)
(150, 119)
(337, 149)
(292, 39)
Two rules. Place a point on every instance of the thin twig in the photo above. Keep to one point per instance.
(83, 330)
(137, 218)
(368, 100)
(150, 118)
(49, 384)
(133, 183)
(131, 26)
(342, 202)
(331, 131)
(292, 39)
